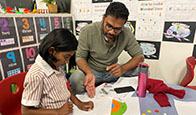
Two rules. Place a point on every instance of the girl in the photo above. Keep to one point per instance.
(45, 91)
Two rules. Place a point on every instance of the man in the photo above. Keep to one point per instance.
(100, 44)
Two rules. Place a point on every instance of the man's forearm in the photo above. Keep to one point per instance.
(132, 63)
(83, 65)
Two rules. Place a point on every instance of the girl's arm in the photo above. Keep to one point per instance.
(66, 109)
(85, 106)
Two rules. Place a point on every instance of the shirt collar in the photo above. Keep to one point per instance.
(47, 69)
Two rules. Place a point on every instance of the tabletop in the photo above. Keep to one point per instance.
(108, 102)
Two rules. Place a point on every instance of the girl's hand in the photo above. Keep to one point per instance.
(67, 108)
(86, 106)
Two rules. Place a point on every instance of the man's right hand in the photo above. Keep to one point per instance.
(89, 83)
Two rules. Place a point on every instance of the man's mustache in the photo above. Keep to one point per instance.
(111, 35)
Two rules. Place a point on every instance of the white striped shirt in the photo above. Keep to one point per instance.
(45, 87)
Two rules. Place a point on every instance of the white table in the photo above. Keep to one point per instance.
(139, 106)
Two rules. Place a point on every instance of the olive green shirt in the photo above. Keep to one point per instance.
(98, 53)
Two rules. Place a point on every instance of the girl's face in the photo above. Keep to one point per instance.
(62, 57)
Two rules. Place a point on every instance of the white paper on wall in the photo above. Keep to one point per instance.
(150, 20)
(41, 5)
(180, 10)
(99, 10)
(132, 6)
(82, 9)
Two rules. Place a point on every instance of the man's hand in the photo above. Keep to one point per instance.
(115, 69)
(89, 83)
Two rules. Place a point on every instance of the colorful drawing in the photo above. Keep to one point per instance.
(118, 108)
(148, 49)
(179, 31)
(151, 112)
(130, 26)
(80, 26)
(101, 1)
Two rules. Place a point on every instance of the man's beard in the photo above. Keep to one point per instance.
(109, 36)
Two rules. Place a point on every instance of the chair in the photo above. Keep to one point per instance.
(10, 98)
(190, 64)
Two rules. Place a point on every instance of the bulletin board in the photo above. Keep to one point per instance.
(165, 30)
(20, 37)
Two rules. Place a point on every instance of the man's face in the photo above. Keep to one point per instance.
(112, 26)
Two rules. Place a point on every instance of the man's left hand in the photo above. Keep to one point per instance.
(115, 69)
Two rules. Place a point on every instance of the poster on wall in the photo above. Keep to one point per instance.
(98, 1)
(150, 20)
(1, 76)
(29, 56)
(132, 6)
(179, 32)
(43, 27)
(26, 30)
(82, 9)
(180, 10)
(194, 51)
(98, 10)
(68, 23)
(131, 25)
(8, 38)
(19, 39)
(80, 25)
(11, 63)
(56, 22)
(150, 49)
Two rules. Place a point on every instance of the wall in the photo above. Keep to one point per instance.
(165, 29)
(20, 36)
(18, 3)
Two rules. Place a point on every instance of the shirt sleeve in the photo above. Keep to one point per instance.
(83, 45)
(133, 48)
(33, 86)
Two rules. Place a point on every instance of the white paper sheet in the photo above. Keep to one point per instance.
(102, 106)
(132, 6)
(185, 108)
(126, 81)
(180, 10)
(41, 5)
(133, 107)
(99, 10)
(82, 9)
(150, 20)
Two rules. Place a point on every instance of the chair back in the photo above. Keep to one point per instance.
(190, 64)
(10, 98)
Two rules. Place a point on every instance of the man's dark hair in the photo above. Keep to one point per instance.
(117, 10)
(61, 39)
